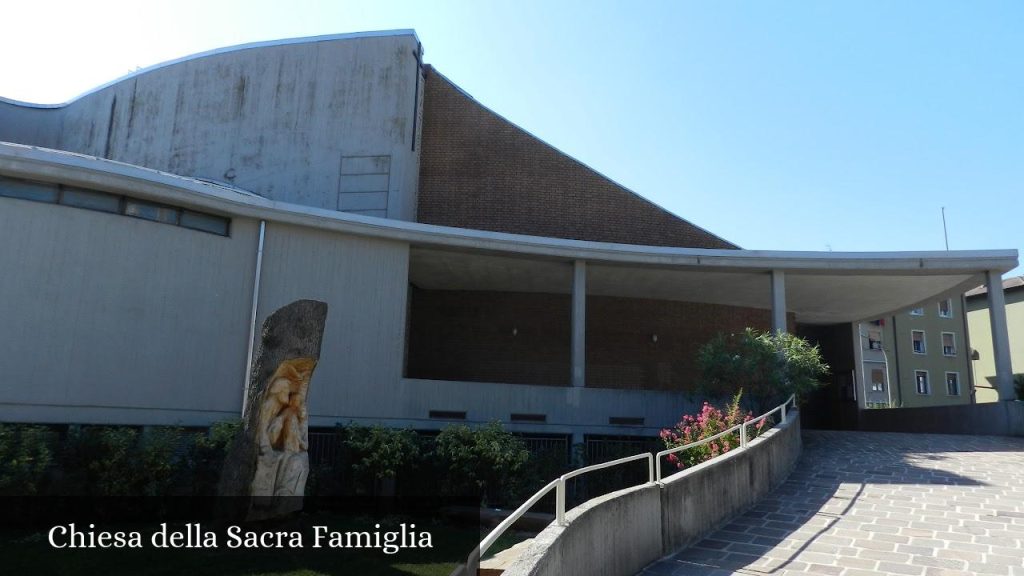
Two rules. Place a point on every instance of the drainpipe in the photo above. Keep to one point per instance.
(252, 316)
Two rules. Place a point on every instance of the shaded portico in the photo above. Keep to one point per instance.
(577, 286)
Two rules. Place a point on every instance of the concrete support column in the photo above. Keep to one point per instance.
(860, 386)
(1000, 335)
(579, 323)
(779, 324)
(577, 438)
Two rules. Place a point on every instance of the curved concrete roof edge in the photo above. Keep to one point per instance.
(216, 51)
(54, 165)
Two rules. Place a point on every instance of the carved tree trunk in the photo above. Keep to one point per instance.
(265, 469)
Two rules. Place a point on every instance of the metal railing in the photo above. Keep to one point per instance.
(560, 493)
(653, 476)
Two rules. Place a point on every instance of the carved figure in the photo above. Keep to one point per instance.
(282, 462)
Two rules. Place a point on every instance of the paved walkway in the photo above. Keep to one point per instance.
(866, 503)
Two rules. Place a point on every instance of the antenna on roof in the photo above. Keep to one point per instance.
(945, 234)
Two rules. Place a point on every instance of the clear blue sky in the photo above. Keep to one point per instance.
(777, 125)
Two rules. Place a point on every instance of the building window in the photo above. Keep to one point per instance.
(921, 377)
(150, 211)
(919, 346)
(205, 222)
(946, 309)
(874, 339)
(952, 383)
(26, 190)
(877, 380)
(917, 311)
(90, 200)
(114, 204)
(948, 344)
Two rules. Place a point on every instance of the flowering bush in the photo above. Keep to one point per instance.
(709, 422)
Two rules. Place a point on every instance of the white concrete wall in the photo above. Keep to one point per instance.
(275, 119)
(364, 284)
(112, 319)
(568, 409)
(108, 318)
(29, 125)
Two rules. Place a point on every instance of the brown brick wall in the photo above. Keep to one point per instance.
(621, 352)
(478, 170)
(467, 336)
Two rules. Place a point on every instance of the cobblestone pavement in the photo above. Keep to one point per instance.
(866, 503)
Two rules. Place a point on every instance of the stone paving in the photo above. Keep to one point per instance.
(868, 503)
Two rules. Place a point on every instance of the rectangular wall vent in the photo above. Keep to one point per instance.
(364, 184)
(626, 421)
(447, 415)
(529, 417)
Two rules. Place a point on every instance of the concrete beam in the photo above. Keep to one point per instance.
(579, 322)
(1000, 335)
(778, 301)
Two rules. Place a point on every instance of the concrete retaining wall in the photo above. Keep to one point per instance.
(614, 534)
(991, 418)
(620, 533)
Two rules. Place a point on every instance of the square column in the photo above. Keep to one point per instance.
(1000, 335)
(579, 323)
(779, 324)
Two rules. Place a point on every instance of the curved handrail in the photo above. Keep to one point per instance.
(653, 475)
(505, 524)
(560, 494)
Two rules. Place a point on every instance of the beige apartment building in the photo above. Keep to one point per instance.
(980, 325)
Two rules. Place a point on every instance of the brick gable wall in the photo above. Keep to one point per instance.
(480, 171)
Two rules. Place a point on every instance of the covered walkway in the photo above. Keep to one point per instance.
(869, 503)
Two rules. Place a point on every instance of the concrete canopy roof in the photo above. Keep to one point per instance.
(838, 289)
(821, 287)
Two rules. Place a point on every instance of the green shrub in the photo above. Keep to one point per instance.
(119, 461)
(1018, 384)
(768, 366)
(487, 463)
(25, 458)
(204, 456)
(379, 455)
(159, 462)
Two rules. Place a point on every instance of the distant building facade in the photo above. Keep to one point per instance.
(918, 357)
(981, 335)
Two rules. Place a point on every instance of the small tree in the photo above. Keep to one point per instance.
(486, 462)
(1018, 384)
(768, 366)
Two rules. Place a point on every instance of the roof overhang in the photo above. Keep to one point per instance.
(817, 291)
(821, 287)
